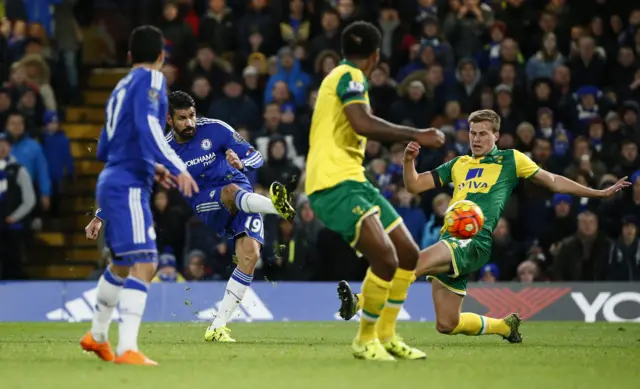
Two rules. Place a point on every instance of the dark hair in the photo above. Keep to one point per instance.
(180, 100)
(145, 44)
(331, 11)
(360, 40)
(14, 112)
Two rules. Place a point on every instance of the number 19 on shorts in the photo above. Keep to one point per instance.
(254, 224)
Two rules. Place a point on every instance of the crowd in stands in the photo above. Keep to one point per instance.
(564, 76)
(31, 143)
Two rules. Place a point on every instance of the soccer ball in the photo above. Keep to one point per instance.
(463, 219)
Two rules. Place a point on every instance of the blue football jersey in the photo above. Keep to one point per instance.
(132, 140)
(205, 154)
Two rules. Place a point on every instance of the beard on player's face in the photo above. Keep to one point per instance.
(187, 132)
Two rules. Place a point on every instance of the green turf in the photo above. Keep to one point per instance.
(316, 355)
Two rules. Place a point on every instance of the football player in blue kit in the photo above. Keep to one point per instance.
(218, 158)
(133, 146)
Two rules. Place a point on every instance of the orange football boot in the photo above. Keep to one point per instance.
(102, 350)
(131, 357)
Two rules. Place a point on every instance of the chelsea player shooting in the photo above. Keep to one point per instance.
(217, 156)
(133, 146)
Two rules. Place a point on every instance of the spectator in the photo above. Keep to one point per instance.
(57, 151)
(392, 34)
(278, 166)
(303, 263)
(253, 85)
(297, 29)
(291, 74)
(412, 106)
(511, 118)
(468, 87)
(584, 161)
(178, 35)
(588, 67)
(489, 273)
(6, 105)
(169, 221)
(235, 108)
(382, 94)
(217, 27)
(257, 19)
(214, 69)
(560, 226)
(30, 155)
(167, 271)
(528, 272)
(624, 262)
(583, 256)
(202, 94)
(325, 62)
(195, 269)
(506, 253)
(465, 25)
(330, 37)
(623, 73)
(435, 222)
(432, 36)
(546, 60)
(628, 160)
(68, 37)
(17, 199)
(413, 216)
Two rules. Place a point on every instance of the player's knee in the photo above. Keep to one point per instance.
(446, 325)
(388, 259)
(408, 253)
(229, 192)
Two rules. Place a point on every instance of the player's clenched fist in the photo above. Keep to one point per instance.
(234, 160)
(93, 228)
(412, 151)
(431, 137)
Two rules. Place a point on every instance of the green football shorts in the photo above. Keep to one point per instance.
(467, 256)
(343, 207)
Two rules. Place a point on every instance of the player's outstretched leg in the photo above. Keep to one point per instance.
(408, 253)
(450, 321)
(107, 295)
(248, 253)
(234, 196)
(133, 300)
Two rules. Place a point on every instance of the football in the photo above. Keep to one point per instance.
(464, 219)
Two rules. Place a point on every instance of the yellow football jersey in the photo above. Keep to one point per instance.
(336, 152)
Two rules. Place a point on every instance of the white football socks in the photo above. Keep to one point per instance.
(133, 300)
(233, 295)
(108, 292)
(254, 203)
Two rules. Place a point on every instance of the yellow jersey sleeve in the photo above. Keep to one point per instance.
(525, 167)
(352, 87)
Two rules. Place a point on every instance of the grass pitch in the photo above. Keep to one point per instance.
(317, 355)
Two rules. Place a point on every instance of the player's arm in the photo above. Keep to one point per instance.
(560, 184)
(421, 182)
(244, 156)
(526, 168)
(351, 94)
(146, 112)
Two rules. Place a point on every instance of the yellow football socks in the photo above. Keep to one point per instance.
(473, 324)
(374, 295)
(397, 294)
